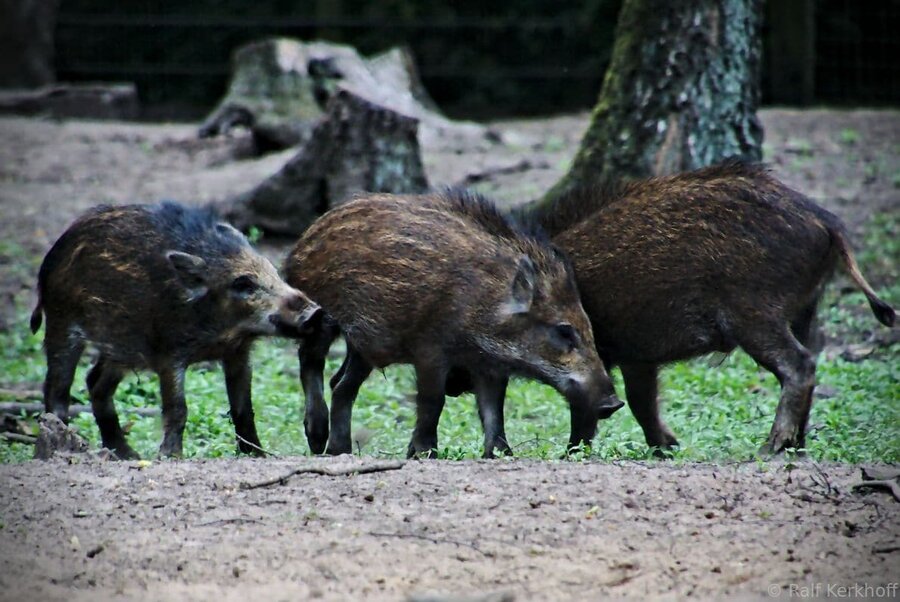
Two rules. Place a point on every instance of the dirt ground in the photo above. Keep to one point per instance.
(88, 529)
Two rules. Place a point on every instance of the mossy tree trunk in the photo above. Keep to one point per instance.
(681, 92)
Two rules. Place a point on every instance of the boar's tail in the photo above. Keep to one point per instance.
(37, 316)
(884, 313)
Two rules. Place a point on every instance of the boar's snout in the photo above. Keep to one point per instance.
(608, 406)
(595, 393)
(298, 316)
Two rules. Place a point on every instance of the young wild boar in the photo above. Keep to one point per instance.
(159, 287)
(443, 282)
(674, 267)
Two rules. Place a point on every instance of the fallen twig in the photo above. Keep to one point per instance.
(21, 393)
(13, 407)
(328, 472)
(432, 540)
(479, 176)
(17, 438)
(225, 521)
(256, 447)
(889, 484)
(888, 549)
(823, 480)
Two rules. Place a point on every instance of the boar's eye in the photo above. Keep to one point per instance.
(244, 285)
(565, 336)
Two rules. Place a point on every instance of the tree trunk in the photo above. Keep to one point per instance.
(26, 43)
(680, 93)
(358, 146)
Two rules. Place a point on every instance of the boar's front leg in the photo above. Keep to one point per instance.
(642, 394)
(174, 408)
(238, 377)
(490, 394)
(102, 381)
(312, 353)
(431, 381)
(356, 371)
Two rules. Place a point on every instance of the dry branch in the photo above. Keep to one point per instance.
(328, 472)
(17, 438)
(12, 407)
(432, 540)
(256, 447)
(889, 484)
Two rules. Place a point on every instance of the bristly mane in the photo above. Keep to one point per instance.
(584, 200)
(483, 212)
(525, 233)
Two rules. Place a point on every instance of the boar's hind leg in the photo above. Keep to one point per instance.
(642, 394)
(430, 384)
(490, 393)
(356, 371)
(63, 349)
(102, 381)
(778, 351)
(238, 376)
(312, 353)
(174, 409)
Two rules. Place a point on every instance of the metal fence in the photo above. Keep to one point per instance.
(473, 65)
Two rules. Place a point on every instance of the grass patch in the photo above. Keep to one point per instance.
(718, 411)
(849, 136)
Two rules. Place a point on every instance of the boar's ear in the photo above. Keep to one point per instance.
(191, 272)
(521, 292)
(310, 319)
(229, 230)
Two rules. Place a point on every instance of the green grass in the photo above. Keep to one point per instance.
(718, 411)
(849, 136)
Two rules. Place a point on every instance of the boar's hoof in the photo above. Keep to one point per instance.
(170, 450)
(502, 447)
(316, 435)
(335, 449)
(772, 449)
(421, 454)
(124, 452)
(666, 452)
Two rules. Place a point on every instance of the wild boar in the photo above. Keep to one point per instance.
(446, 283)
(674, 267)
(159, 287)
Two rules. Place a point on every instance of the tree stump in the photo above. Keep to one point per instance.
(280, 89)
(55, 437)
(358, 146)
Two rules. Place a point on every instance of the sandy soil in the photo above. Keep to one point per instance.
(86, 529)
(540, 530)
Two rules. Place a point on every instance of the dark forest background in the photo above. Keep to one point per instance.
(477, 59)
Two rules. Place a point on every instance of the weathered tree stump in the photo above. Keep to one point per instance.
(55, 437)
(280, 89)
(358, 146)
